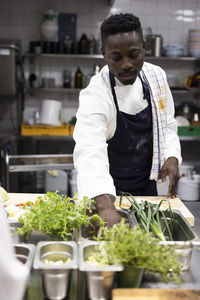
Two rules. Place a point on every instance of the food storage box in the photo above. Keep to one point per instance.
(56, 260)
(99, 279)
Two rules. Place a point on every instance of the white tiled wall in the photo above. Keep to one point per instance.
(20, 19)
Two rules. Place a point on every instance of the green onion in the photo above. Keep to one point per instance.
(151, 218)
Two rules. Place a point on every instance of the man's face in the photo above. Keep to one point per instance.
(124, 55)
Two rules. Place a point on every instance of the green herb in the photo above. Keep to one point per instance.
(140, 249)
(57, 215)
(151, 218)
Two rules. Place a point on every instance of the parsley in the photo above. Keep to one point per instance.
(57, 216)
(133, 246)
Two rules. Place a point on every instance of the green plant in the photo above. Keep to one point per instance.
(133, 246)
(151, 218)
(57, 215)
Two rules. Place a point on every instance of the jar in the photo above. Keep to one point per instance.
(49, 26)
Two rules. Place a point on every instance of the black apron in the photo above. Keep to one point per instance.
(130, 150)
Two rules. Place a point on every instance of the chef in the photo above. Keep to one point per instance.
(13, 274)
(126, 135)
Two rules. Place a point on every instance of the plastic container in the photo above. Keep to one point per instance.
(188, 189)
(49, 26)
(56, 180)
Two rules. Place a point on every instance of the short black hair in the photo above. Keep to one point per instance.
(120, 23)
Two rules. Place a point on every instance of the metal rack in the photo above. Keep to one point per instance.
(30, 163)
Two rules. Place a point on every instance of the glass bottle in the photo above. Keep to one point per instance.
(78, 83)
(83, 44)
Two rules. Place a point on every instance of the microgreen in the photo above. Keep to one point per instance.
(57, 215)
(140, 249)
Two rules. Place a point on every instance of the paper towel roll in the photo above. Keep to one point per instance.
(51, 112)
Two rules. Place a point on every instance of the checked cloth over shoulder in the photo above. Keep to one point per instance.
(155, 77)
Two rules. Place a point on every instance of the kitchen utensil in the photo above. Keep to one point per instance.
(157, 45)
(51, 112)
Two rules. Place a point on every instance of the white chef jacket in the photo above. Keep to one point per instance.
(13, 274)
(96, 123)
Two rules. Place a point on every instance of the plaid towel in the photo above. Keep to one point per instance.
(156, 79)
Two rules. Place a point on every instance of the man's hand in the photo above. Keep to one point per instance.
(171, 169)
(106, 209)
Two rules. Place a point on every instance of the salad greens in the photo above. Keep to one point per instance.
(151, 218)
(133, 246)
(57, 215)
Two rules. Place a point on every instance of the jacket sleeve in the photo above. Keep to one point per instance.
(90, 152)
(172, 142)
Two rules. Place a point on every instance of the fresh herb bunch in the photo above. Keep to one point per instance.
(57, 215)
(133, 246)
(151, 218)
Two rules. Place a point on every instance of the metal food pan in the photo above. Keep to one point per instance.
(25, 253)
(16, 238)
(56, 277)
(100, 279)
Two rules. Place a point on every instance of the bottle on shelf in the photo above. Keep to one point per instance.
(66, 79)
(83, 44)
(195, 120)
(78, 80)
(95, 71)
(33, 83)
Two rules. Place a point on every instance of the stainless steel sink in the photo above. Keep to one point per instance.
(124, 213)
(184, 239)
(56, 277)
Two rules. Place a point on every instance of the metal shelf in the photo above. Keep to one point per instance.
(100, 56)
(57, 89)
(73, 56)
(189, 138)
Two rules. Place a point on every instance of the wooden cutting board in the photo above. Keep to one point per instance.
(155, 294)
(16, 198)
(176, 204)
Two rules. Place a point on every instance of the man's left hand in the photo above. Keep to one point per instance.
(171, 169)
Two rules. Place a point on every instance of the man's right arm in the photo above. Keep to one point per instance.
(106, 209)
